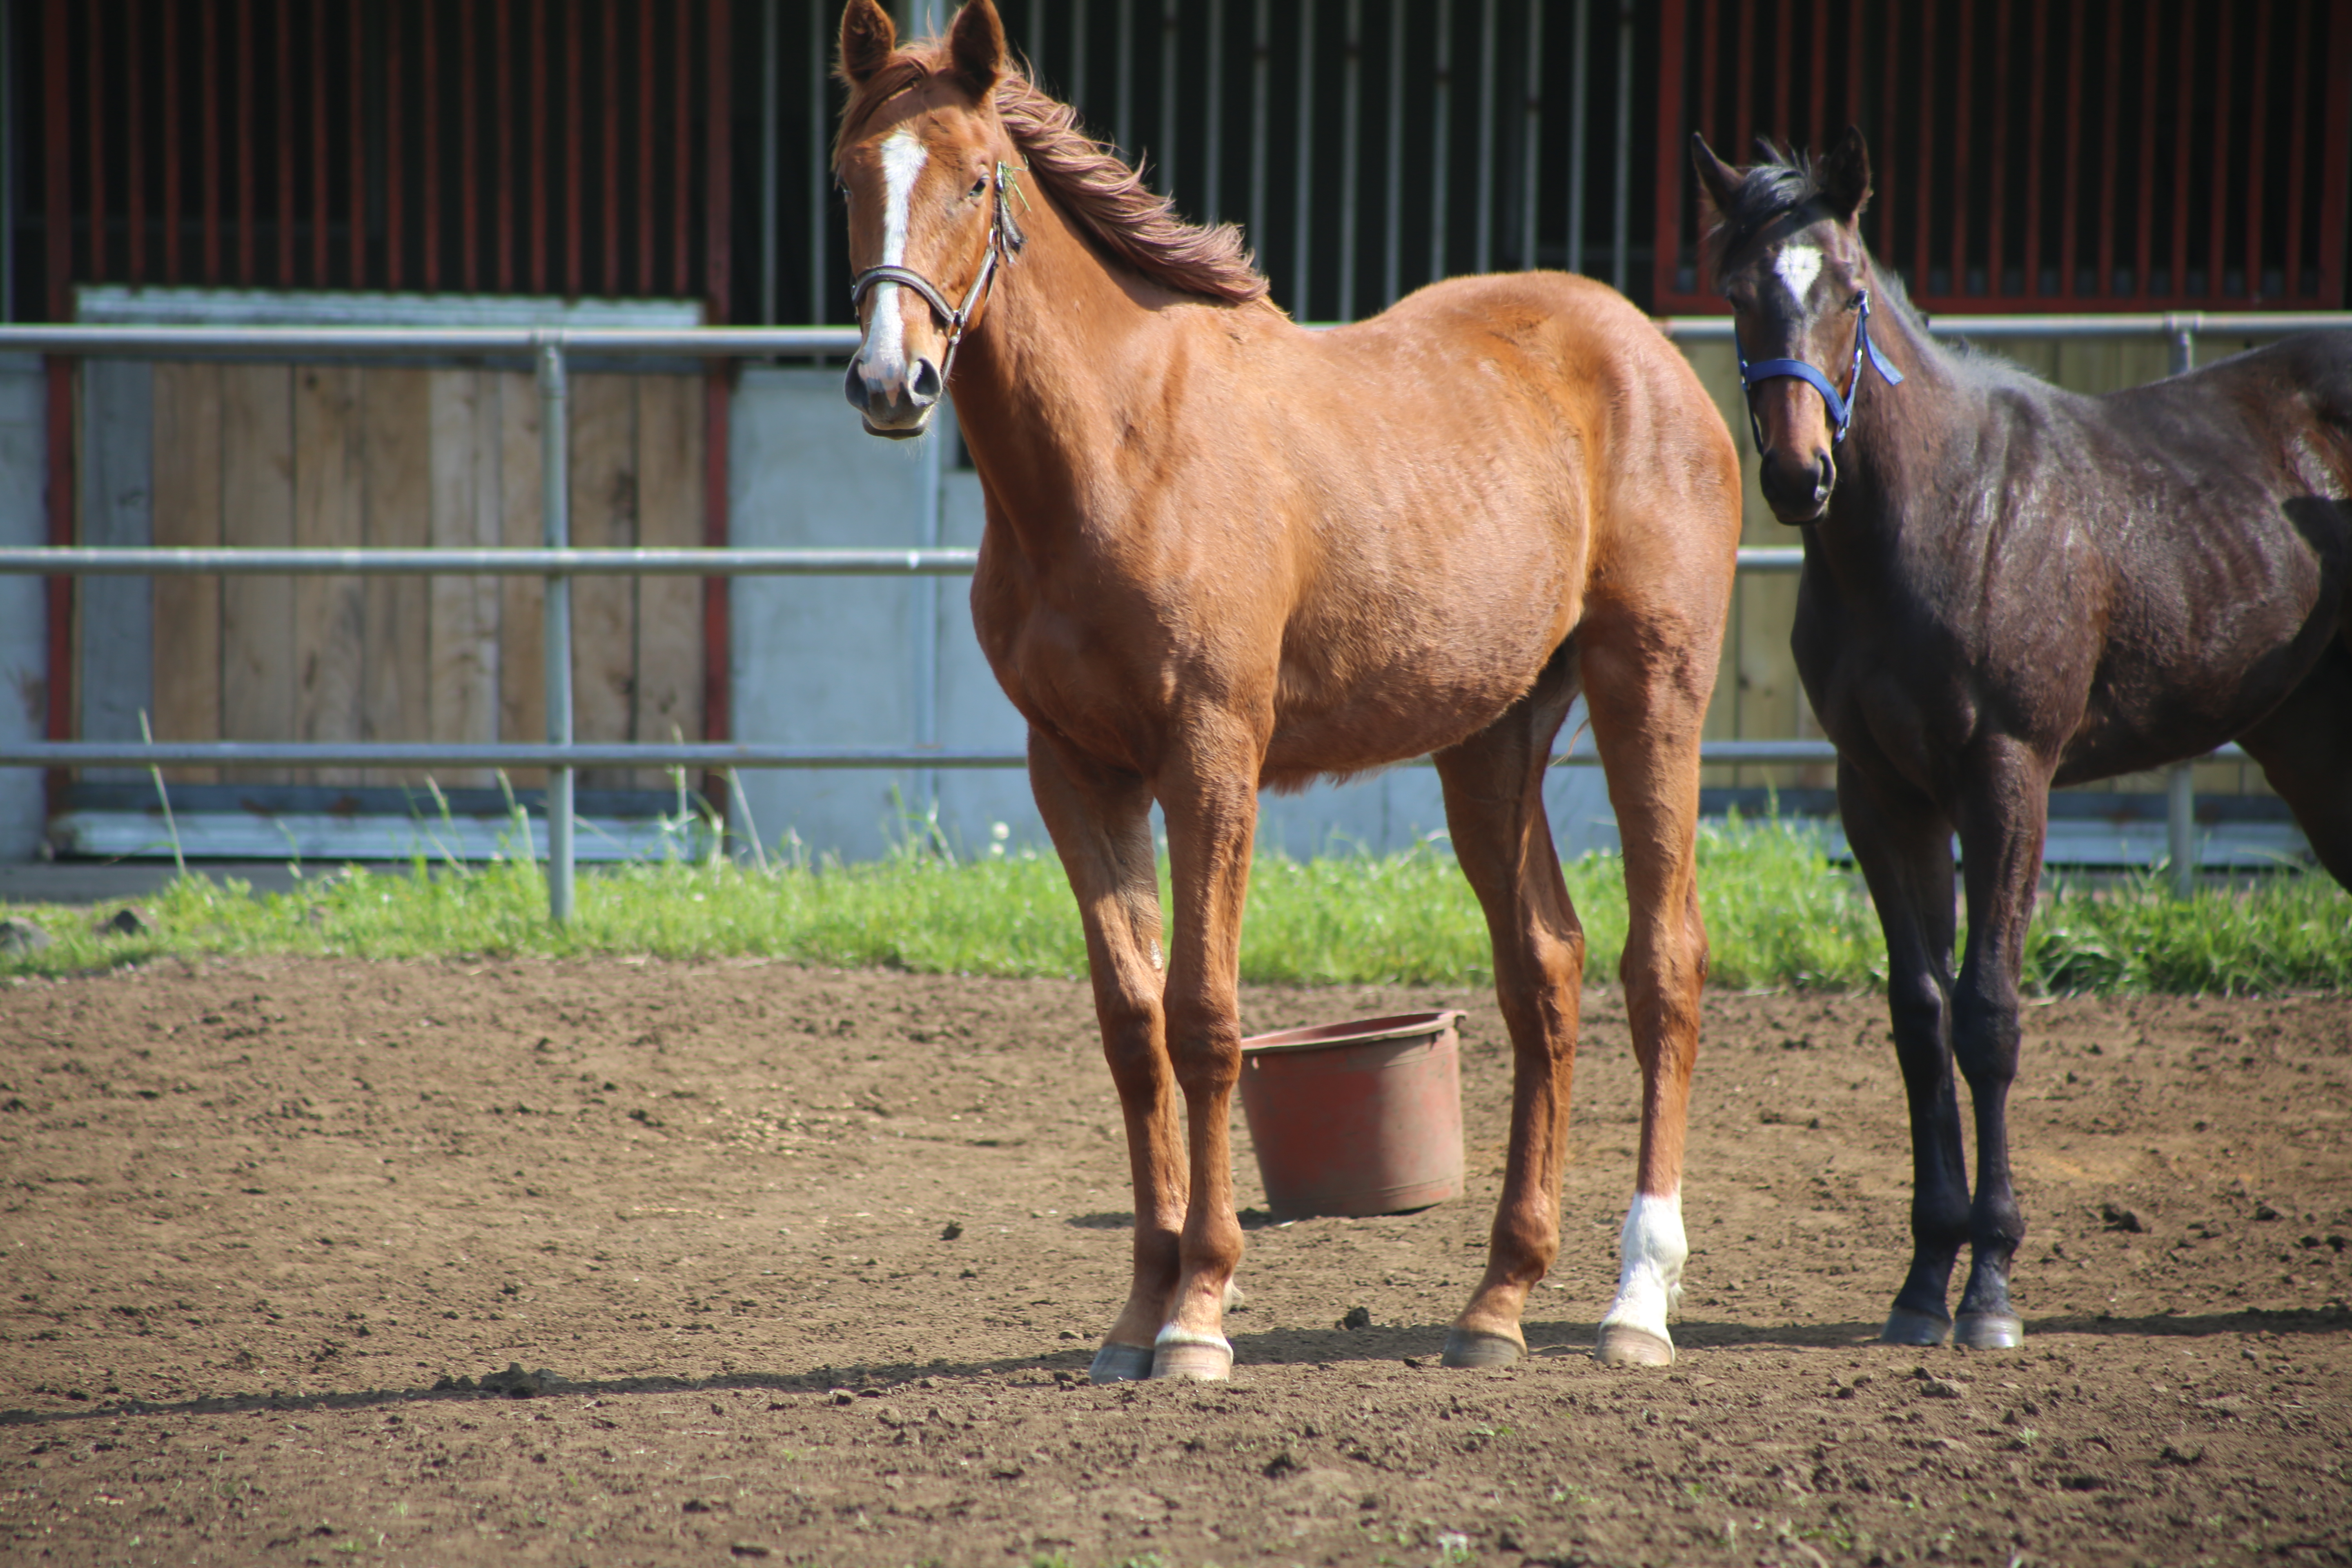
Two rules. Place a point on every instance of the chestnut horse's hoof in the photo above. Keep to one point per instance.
(1476, 1347)
(1989, 1331)
(1622, 1344)
(1116, 1363)
(1202, 1358)
(1906, 1327)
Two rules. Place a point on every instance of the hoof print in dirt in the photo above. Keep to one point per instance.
(22, 936)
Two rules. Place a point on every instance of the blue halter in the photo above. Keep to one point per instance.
(1841, 404)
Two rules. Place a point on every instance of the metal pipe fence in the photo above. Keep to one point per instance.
(550, 353)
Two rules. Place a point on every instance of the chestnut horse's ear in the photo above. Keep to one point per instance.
(1845, 174)
(977, 46)
(1718, 179)
(867, 37)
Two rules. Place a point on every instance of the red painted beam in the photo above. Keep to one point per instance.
(2335, 171)
(718, 169)
(246, 193)
(281, 126)
(573, 155)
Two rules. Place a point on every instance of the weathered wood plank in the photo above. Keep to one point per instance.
(522, 649)
(187, 480)
(395, 416)
(670, 516)
(330, 612)
(115, 627)
(257, 675)
(604, 609)
(463, 631)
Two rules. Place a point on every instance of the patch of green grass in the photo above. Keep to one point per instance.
(1777, 914)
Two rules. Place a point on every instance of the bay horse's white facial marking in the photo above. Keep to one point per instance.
(1650, 1276)
(903, 157)
(1798, 266)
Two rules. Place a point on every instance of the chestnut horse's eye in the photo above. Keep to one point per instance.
(979, 188)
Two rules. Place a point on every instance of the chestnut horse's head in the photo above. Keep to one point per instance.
(927, 168)
(1787, 254)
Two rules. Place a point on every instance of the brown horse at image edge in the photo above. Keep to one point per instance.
(2008, 587)
(1223, 553)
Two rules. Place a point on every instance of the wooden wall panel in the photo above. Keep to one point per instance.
(324, 456)
(669, 609)
(522, 647)
(187, 502)
(463, 653)
(258, 510)
(330, 612)
(604, 609)
(396, 417)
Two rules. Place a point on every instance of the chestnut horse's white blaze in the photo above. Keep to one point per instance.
(903, 157)
(1223, 553)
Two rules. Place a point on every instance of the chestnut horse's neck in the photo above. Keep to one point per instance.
(1066, 348)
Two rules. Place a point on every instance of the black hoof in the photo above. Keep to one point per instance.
(1989, 1331)
(1906, 1327)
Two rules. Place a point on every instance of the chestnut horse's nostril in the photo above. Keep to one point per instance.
(923, 388)
(855, 387)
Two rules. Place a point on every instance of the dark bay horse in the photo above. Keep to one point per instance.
(1223, 553)
(2008, 586)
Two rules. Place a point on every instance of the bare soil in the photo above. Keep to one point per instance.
(807, 1267)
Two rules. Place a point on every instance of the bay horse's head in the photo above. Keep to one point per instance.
(1786, 252)
(927, 168)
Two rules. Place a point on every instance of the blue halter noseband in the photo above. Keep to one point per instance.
(1841, 405)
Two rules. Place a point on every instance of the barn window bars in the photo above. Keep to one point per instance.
(557, 562)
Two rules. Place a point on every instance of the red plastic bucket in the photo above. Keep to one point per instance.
(1357, 1119)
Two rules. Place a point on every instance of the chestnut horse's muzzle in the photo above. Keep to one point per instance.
(896, 400)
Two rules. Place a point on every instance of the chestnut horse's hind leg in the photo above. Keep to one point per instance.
(1904, 846)
(2005, 810)
(1101, 824)
(1648, 694)
(1494, 811)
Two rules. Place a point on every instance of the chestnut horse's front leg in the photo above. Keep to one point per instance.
(1208, 791)
(1101, 822)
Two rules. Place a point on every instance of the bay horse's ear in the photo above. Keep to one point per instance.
(867, 37)
(977, 46)
(1718, 178)
(1845, 174)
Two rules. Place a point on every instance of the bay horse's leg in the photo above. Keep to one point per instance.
(2304, 745)
(1208, 793)
(2003, 816)
(1647, 691)
(1101, 824)
(1904, 846)
(1495, 812)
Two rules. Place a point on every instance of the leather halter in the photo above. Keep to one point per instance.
(1004, 238)
(1841, 404)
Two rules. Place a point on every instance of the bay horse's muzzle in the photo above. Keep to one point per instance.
(1798, 492)
(896, 400)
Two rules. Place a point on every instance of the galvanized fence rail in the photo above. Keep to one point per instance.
(550, 352)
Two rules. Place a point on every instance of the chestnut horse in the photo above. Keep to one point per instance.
(1223, 553)
(2006, 587)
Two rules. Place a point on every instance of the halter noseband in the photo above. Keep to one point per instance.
(1841, 404)
(1004, 238)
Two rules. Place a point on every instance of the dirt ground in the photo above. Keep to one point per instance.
(807, 1267)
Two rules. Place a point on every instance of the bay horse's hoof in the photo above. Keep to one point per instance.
(1622, 1344)
(1117, 1362)
(1476, 1347)
(1989, 1331)
(1201, 1357)
(1906, 1327)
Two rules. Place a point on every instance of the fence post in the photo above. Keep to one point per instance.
(2180, 784)
(555, 532)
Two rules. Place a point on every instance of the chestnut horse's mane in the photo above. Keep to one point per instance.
(1108, 200)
